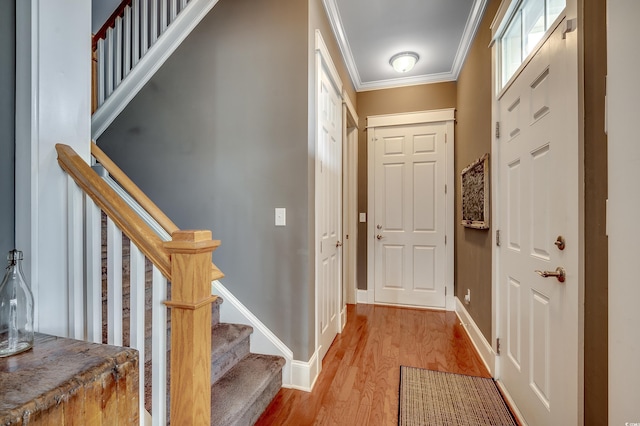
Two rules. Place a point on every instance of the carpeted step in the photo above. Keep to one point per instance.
(245, 391)
(229, 344)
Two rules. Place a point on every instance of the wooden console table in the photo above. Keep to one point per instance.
(69, 382)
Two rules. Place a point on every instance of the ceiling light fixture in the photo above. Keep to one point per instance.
(404, 61)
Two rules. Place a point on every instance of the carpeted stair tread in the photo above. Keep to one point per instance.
(243, 393)
(229, 344)
(224, 336)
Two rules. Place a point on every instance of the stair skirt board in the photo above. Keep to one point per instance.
(295, 374)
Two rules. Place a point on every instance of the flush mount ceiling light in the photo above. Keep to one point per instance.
(404, 61)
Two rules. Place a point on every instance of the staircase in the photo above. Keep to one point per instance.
(150, 268)
(243, 383)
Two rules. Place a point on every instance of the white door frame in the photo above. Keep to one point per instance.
(349, 204)
(420, 117)
(322, 60)
(623, 91)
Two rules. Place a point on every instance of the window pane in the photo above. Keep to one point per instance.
(534, 28)
(554, 7)
(512, 48)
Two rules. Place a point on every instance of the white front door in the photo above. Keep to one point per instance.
(329, 209)
(539, 213)
(410, 214)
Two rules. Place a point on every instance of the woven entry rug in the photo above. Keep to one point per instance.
(435, 398)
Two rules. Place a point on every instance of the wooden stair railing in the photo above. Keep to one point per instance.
(186, 262)
(128, 185)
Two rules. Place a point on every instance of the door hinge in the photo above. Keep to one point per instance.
(498, 346)
(445, 292)
(320, 246)
(445, 189)
(498, 237)
(497, 130)
(445, 240)
(445, 137)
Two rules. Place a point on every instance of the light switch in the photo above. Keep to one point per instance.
(281, 216)
(363, 217)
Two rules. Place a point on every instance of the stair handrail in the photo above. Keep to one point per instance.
(145, 202)
(110, 22)
(114, 207)
(184, 260)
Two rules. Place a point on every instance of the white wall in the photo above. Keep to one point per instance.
(53, 93)
(623, 38)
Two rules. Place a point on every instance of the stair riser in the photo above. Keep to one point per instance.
(257, 408)
(230, 358)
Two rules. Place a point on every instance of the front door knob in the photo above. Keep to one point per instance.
(559, 273)
(379, 236)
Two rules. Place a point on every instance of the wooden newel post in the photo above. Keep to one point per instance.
(190, 305)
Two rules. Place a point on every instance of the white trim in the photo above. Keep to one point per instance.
(263, 340)
(483, 347)
(343, 318)
(304, 374)
(366, 297)
(157, 54)
(417, 117)
(350, 108)
(321, 48)
(469, 33)
(473, 21)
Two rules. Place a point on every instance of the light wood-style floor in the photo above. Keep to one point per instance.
(360, 376)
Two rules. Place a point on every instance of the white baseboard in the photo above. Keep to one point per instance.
(304, 374)
(263, 341)
(481, 344)
(343, 318)
(366, 296)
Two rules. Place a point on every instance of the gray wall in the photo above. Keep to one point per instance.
(100, 12)
(7, 125)
(218, 139)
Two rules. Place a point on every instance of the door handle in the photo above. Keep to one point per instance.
(379, 236)
(339, 244)
(559, 273)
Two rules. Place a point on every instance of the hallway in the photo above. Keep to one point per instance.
(359, 381)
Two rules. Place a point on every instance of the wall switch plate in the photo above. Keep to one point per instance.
(363, 217)
(281, 216)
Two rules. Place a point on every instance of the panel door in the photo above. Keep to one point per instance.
(538, 202)
(329, 210)
(410, 255)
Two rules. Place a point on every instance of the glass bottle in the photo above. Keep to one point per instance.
(16, 309)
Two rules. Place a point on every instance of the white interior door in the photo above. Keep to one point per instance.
(329, 208)
(539, 206)
(410, 214)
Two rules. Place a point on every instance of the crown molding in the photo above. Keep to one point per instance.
(471, 27)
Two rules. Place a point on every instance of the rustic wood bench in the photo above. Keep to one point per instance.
(69, 382)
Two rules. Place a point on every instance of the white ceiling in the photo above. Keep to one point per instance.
(369, 32)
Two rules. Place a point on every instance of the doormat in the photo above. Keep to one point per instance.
(430, 397)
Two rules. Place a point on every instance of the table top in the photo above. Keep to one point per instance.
(56, 367)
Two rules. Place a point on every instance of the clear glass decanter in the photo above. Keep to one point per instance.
(16, 309)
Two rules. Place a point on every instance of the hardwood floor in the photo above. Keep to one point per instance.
(360, 377)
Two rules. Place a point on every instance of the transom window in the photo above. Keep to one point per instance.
(528, 25)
